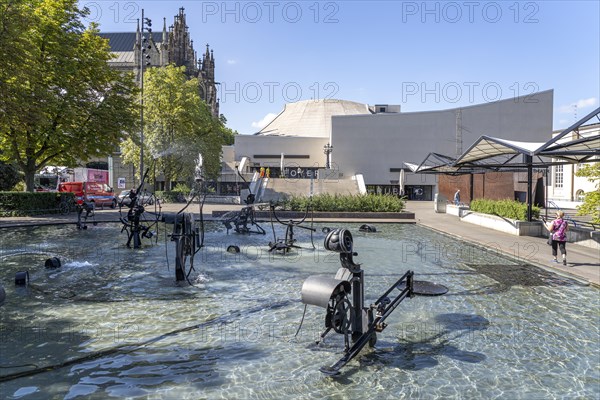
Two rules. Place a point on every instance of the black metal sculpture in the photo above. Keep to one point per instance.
(138, 222)
(88, 207)
(244, 221)
(343, 298)
(287, 243)
(187, 234)
(189, 239)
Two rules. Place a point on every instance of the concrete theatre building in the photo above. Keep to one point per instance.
(370, 144)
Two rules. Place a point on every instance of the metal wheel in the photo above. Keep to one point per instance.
(66, 206)
(342, 316)
(63, 207)
(181, 259)
(373, 340)
(184, 248)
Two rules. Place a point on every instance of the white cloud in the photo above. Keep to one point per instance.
(231, 62)
(587, 102)
(265, 121)
(583, 103)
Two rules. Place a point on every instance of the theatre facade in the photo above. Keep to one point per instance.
(365, 148)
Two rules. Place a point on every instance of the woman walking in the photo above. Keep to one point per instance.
(558, 231)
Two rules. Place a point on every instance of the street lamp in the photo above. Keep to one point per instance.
(327, 149)
(144, 60)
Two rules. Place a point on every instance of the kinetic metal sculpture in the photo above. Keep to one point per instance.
(284, 245)
(138, 222)
(88, 208)
(343, 298)
(244, 221)
(187, 235)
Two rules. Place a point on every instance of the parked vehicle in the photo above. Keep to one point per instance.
(46, 182)
(144, 198)
(99, 193)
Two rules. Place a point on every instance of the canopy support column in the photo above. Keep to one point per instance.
(529, 161)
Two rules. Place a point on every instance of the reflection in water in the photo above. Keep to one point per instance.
(112, 322)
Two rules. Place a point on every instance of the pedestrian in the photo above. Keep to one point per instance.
(558, 235)
(268, 172)
(262, 172)
(457, 197)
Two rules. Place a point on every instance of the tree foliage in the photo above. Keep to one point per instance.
(9, 176)
(178, 125)
(591, 201)
(60, 102)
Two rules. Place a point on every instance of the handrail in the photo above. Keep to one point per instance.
(576, 223)
(552, 204)
(556, 207)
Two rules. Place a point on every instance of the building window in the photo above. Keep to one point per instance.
(381, 109)
(580, 195)
(558, 176)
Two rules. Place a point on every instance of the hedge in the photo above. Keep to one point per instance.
(328, 202)
(18, 204)
(172, 196)
(511, 209)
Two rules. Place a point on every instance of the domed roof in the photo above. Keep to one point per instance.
(311, 118)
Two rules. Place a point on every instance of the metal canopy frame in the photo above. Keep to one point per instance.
(573, 128)
(576, 151)
(496, 154)
(492, 152)
(436, 163)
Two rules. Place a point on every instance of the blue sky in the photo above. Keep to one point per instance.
(422, 55)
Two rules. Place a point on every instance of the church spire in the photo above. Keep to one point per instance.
(137, 33)
(179, 50)
(211, 71)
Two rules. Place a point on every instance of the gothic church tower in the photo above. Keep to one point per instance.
(171, 47)
(181, 51)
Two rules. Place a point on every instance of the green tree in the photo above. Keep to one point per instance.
(228, 134)
(178, 125)
(9, 176)
(591, 201)
(60, 102)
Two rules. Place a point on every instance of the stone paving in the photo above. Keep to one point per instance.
(583, 262)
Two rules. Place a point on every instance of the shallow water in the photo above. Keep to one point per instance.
(125, 329)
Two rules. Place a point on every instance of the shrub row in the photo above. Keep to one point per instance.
(328, 202)
(172, 196)
(18, 204)
(504, 208)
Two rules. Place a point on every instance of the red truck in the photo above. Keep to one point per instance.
(99, 193)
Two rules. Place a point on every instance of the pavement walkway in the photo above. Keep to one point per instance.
(583, 262)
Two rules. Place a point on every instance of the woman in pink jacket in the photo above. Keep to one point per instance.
(558, 229)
